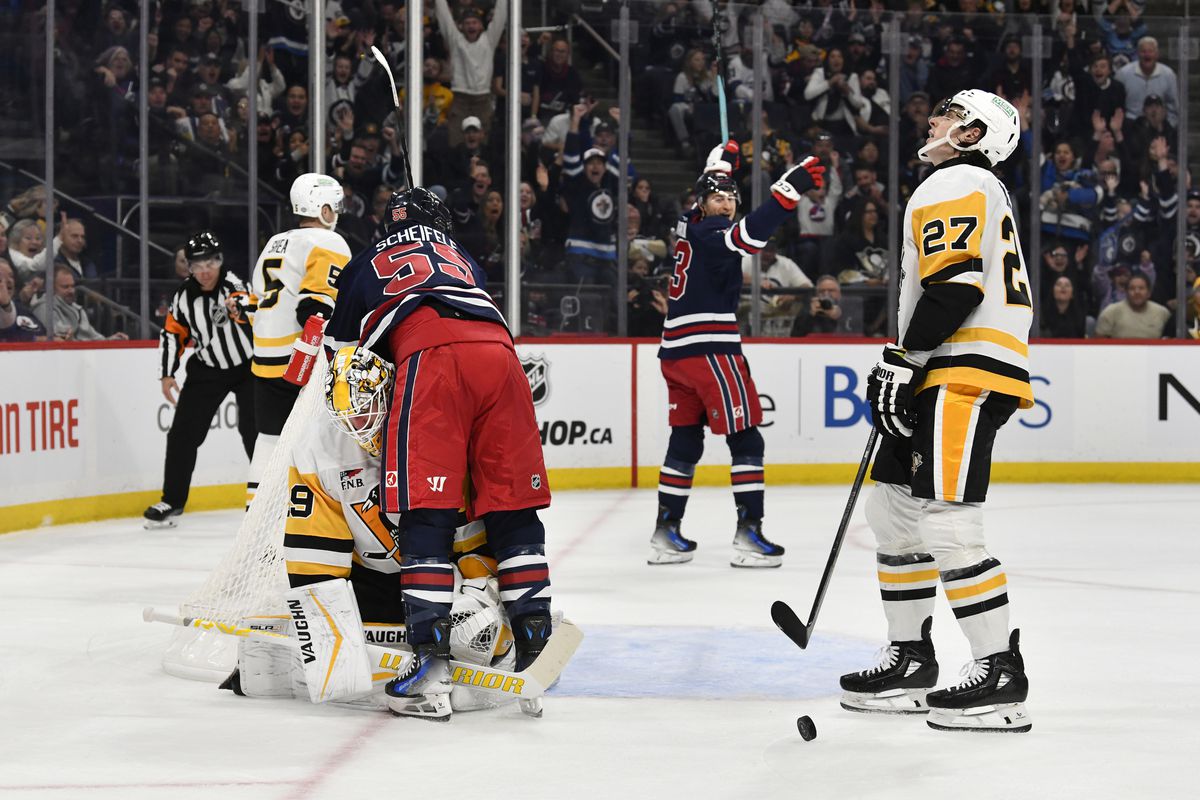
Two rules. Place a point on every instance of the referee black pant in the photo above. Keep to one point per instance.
(199, 400)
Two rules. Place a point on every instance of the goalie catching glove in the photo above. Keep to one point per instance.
(892, 390)
(723, 158)
(807, 175)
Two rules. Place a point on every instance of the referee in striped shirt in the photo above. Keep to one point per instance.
(204, 313)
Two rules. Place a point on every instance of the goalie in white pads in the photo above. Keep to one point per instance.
(344, 567)
(959, 370)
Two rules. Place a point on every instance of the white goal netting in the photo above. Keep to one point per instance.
(251, 579)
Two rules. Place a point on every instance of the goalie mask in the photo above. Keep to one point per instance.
(358, 387)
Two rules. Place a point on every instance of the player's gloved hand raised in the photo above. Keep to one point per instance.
(723, 158)
(892, 389)
(808, 174)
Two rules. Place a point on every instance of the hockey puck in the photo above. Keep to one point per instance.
(808, 731)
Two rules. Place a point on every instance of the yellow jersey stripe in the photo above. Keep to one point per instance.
(982, 379)
(275, 341)
(1005, 340)
(309, 568)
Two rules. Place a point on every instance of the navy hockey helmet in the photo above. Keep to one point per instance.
(417, 205)
(203, 246)
(712, 182)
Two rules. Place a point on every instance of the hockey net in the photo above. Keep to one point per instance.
(252, 577)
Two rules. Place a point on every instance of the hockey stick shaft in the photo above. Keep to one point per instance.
(781, 613)
(531, 682)
(387, 70)
(719, 22)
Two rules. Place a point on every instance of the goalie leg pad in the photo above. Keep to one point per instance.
(267, 669)
(333, 651)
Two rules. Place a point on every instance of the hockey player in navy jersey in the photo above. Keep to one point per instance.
(460, 405)
(708, 380)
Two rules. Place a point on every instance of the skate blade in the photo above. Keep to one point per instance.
(896, 701)
(155, 525)
(1002, 718)
(669, 557)
(432, 707)
(532, 708)
(744, 560)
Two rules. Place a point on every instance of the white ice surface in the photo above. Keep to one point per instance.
(682, 688)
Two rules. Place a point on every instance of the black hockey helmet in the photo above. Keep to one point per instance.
(417, 205)
(203, 246)
(711, 182)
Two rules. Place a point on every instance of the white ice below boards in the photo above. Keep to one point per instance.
(681, 688)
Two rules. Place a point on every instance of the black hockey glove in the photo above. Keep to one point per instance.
(808, 174)
(892, 390)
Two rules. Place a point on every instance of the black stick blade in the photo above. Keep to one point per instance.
(786, 620)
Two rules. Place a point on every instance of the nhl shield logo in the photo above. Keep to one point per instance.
(537, 372)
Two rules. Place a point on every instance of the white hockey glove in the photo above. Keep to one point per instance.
(723, 158)
(808, 174)
(892, 390)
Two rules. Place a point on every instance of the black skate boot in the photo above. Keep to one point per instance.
(160, 515)
(750, 547)
(530, 634)
(668, 545)
(423, 688)
(991, 696)
(898, 684)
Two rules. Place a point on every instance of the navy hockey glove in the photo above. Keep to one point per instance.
(723, 158)
(892, 391)
(808, 174)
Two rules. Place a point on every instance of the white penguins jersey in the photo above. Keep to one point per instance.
(331, 523)
(295, 277)
(959, 229)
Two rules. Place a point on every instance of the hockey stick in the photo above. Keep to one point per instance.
(781, 613)
(720, 26)
(532, 682)
(387, 69)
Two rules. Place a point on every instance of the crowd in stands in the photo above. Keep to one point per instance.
(1106, 189)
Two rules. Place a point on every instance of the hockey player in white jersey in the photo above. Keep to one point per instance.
(334, 531)
(294, 279)
(958, 371)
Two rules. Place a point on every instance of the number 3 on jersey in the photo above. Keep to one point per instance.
(683, 260)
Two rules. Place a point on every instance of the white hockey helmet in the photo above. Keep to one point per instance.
(312, 191)
(998, 117)
(358, 388)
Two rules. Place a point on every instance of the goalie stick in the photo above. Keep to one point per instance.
(781, 613)
(528, 684)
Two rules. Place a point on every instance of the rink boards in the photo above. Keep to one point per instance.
(82, 432)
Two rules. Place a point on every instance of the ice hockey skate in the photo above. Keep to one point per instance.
(899, 683)
(990, 698)
(530, 634)
(668, 545)
(751, 548)
(160, 515)
(423, 688)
